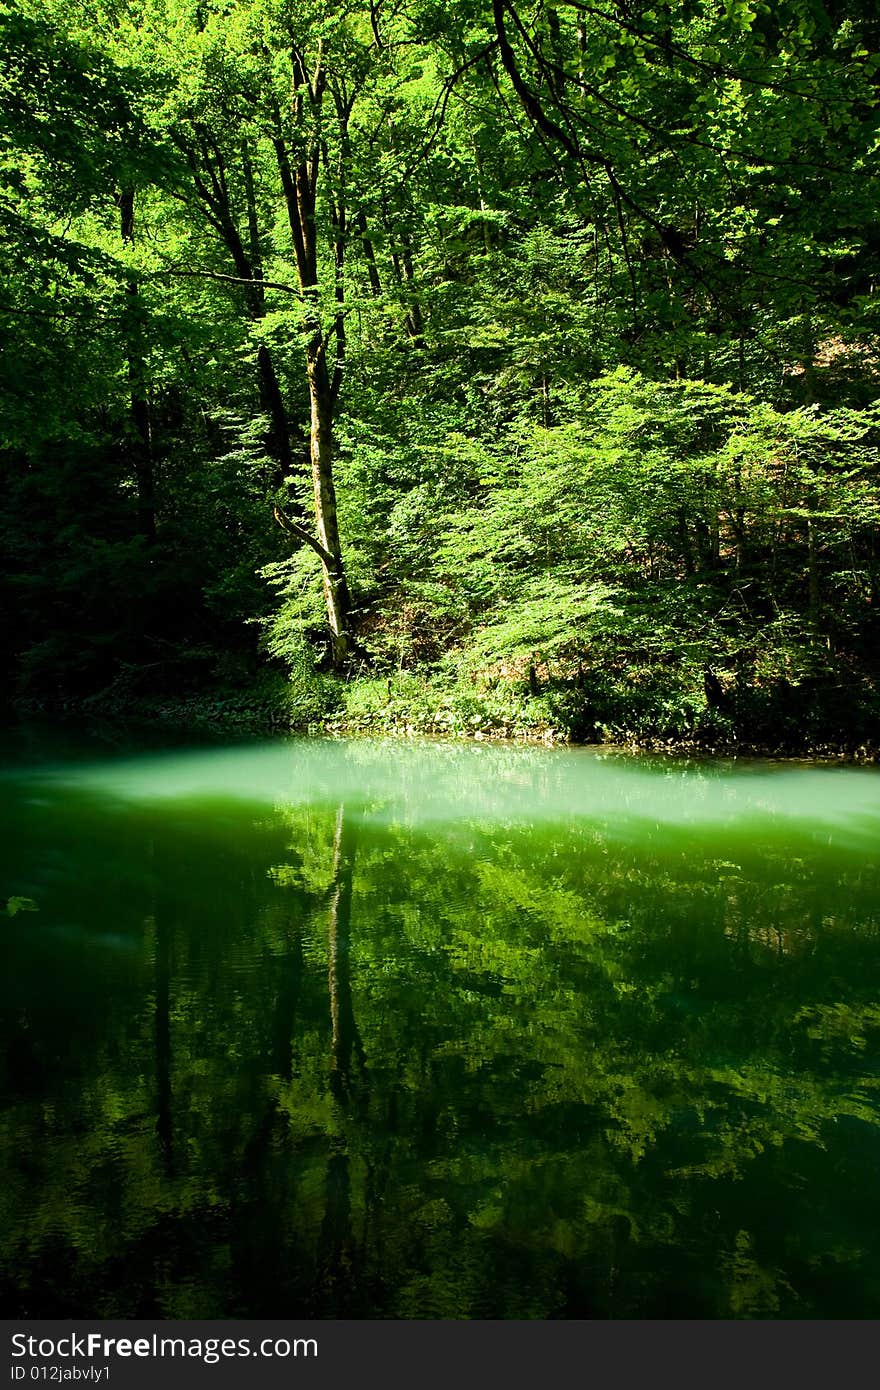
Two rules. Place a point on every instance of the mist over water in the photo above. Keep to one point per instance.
(424, 783)
(362, 1028)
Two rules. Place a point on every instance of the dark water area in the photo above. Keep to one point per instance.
(364, 1029)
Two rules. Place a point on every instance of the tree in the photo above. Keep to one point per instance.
(289, 83)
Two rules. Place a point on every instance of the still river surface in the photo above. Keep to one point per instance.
(359, 1029)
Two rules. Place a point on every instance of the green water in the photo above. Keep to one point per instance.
(417, 1031)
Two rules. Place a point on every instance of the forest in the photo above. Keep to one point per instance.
(470, 367)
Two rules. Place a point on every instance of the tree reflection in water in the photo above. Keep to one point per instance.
(335, 1058)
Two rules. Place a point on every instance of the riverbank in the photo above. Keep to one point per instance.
(408, 706)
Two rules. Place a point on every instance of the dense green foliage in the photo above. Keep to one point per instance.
(572, 313)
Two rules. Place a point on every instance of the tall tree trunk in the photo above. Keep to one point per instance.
(299, 182)
(326, 519)
(369, 254)
(277, 437)
(209, 176)
(404, 275)
(814, 582)
(415, 324)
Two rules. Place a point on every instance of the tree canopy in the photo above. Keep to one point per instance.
(468, 366)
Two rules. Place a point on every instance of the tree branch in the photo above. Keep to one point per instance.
(306, 537)
(231, 279)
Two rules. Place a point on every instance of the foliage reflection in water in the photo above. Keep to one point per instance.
(358, 1029)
